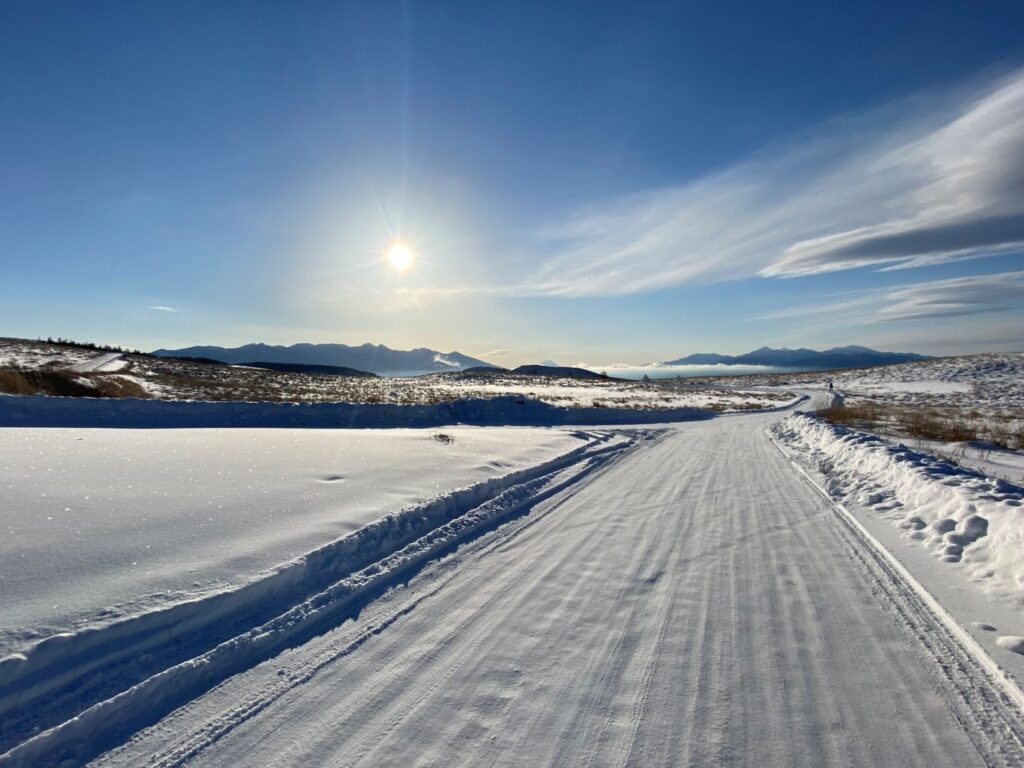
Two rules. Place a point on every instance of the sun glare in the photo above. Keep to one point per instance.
(400, 258)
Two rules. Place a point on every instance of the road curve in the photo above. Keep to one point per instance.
(695, 603)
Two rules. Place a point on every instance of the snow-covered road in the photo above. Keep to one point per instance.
(694, 603)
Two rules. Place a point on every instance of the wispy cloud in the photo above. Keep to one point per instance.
(972, 295)
(494, 353)
(959, 296)
(933, 185)
(835, 307)
(965, 196)
(159, 308)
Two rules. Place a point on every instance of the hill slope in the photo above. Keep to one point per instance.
(374, 358)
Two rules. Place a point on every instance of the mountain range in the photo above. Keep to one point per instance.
(838, 357)
(372, 358)
(384, 361)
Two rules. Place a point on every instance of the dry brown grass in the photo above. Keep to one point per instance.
(60, 383)
(116, 386)
(938, 425)
(1010, 434)
(943, 425)
(15, 381)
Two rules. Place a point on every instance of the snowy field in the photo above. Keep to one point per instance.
(582, 393)
(942, 404)
(103, 523)
(170, 379)
(989, 383)
(981, 388)
(132, 550)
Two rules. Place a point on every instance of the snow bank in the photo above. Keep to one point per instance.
(43, 411)
(961, 515)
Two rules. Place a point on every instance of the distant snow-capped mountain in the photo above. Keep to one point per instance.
(373, 358)
(852, 356)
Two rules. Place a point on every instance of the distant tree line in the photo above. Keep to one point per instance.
(90, 345)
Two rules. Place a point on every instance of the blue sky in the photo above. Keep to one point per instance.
(599, 182)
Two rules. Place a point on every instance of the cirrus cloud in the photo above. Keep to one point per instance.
(929, 186)
(959, 296)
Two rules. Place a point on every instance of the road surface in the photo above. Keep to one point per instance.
(693, 603)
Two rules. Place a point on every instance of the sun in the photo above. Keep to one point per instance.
(399, 257)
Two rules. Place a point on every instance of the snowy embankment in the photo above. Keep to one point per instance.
(43, 411)
(109, 361)
(961, 516)
(163, 496)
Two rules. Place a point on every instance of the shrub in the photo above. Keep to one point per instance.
(43, 382)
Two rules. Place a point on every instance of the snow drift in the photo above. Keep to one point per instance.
(961, 515)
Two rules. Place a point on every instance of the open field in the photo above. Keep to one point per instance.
(28, 366)
(947, 400)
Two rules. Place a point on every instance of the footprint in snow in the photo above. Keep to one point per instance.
(1012, 643)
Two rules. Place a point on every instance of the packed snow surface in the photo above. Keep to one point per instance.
(102, 523)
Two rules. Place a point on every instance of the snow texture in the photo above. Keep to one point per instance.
(962, 516)
(100, 524)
